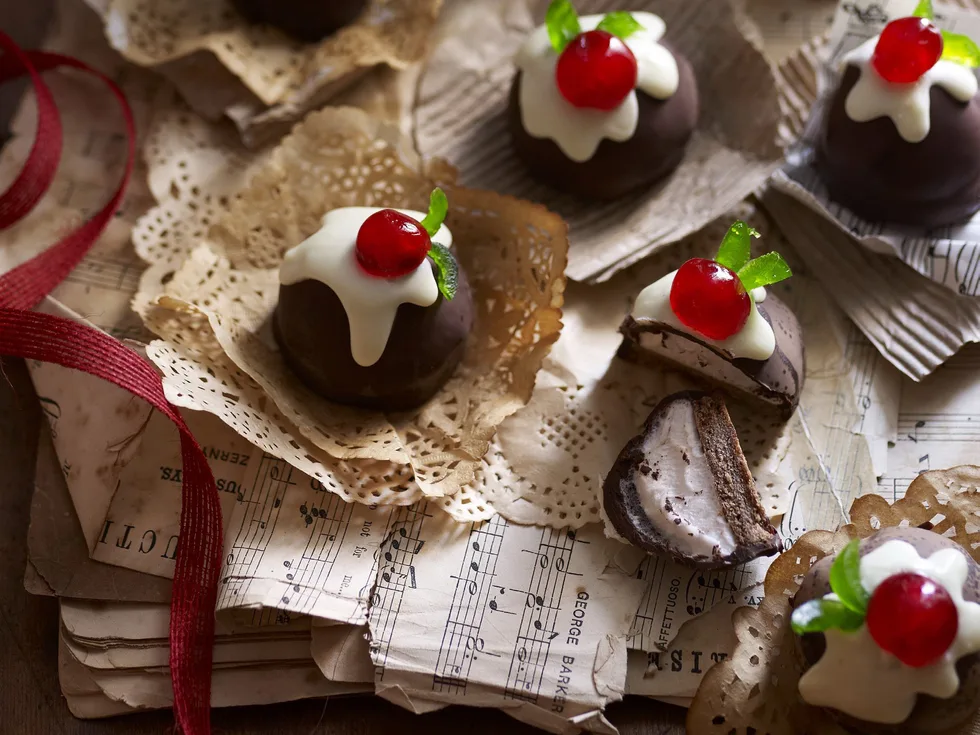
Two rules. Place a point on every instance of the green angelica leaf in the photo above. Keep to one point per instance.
(736, 248)
(845, 579)
(816, 616)
(447, 270)
(619, 23)
(438, 208)
(764, 271)
(960, 49)
(561, 20)
(924, 10)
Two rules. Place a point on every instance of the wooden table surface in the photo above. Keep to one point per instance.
(30, 697)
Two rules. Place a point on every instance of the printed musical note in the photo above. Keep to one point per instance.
(396, 573)
(461, 641)
(540, 613)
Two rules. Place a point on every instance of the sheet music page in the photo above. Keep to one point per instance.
(501, 615)
(290, 545)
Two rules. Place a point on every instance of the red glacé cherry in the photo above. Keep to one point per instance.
(596, 70)
(913, 618)
(708, 297)
(907, 49)
(391, 244)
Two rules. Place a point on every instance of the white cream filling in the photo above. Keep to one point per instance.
(907, 105)
(694, 522)
(577, 131)
(370, 302)
(858, 678)
(699, 359)
(754, 341)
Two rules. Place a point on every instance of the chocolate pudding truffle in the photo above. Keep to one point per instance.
(305, 20)
(598, 106)
(373, 310)
(682, 487)
(890, 634)
(714, 319)
(902, 136)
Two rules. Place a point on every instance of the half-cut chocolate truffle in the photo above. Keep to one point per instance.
(715, 319)
(777, 380)
(583, 129)
(682, 487)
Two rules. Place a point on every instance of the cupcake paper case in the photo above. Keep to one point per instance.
(256, 75)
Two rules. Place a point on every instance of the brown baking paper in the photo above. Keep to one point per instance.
(757, 687)
(461, 116)
(213, 312)
(260, 78)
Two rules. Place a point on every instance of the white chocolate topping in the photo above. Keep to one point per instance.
(754, 341)
(370, 302)
(577, 131)
(906, 105)
(857, 677)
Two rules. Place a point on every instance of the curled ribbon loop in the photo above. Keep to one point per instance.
(34, 336)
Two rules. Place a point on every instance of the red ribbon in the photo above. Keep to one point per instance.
(34, 336)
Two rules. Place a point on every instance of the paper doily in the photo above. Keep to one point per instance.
(213, 283)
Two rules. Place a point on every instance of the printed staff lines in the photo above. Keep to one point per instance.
(461, 642)
(539, 616)
(262, 505)
(395, 572)
(328, 526)
(653, 569)
(705, 589)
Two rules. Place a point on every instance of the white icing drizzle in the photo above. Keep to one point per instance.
(578, 131)
(754, 341)
(907, 105)
(371, 303)
(857, 677)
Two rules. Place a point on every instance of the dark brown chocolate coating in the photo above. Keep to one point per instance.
(870, 169)
(305, 20)
(778, 380)
(734, 488)
(425, 347)
(655, 150)
(931, 716)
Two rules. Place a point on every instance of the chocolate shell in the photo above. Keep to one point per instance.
(306, 20)
(425, 347)
(655, 150)
(870, 169)
(777, 381)
(682, 487)
(930, 715)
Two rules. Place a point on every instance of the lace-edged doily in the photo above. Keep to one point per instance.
(756, 689)
(214, 249)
